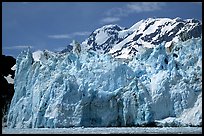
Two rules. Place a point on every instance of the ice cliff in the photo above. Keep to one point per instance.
(97, 90)
(55, 90)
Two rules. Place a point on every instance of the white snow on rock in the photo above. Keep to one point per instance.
(14, 67)
(101, 37)
(148, 33)
(9, 79)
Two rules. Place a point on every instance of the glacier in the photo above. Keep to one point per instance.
(59, 90)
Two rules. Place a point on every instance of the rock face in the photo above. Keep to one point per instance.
(7, 86)
(93, 89)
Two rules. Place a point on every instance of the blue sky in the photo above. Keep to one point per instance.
(53, 25)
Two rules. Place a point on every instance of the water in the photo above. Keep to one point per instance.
(107, 130)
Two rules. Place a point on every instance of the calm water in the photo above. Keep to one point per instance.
(107, 130)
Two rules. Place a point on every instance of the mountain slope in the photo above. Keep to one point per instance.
(123, 43)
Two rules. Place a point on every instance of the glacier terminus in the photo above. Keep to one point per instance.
(148, 73)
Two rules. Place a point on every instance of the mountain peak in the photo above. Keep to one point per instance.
(111, 27)
(150, 32)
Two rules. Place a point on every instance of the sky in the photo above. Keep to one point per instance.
(53, 25)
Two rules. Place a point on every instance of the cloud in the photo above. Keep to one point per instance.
(117, 12)
(199, 3)
(59, 48)
(110, 19)
(60, 36)
(25, 2)
(81, 33)
(134, 7)
(144, 6)
(68, 36)
(20, 47)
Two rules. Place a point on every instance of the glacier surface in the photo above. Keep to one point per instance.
(90, 89)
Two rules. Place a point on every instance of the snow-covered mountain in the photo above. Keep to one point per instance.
(94, 87)
(124, 43)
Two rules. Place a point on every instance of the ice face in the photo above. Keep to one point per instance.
(91, 89)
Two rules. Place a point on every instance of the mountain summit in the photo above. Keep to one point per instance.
(122, 42)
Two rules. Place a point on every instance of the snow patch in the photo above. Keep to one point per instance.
(9, 79)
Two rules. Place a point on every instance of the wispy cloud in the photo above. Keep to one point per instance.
(144, 6)
(60, 36)
(81, 33)
(20, 47)
(115, 14)
(68, 36)
(110, 19)
(200, 3)
(59, 48)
